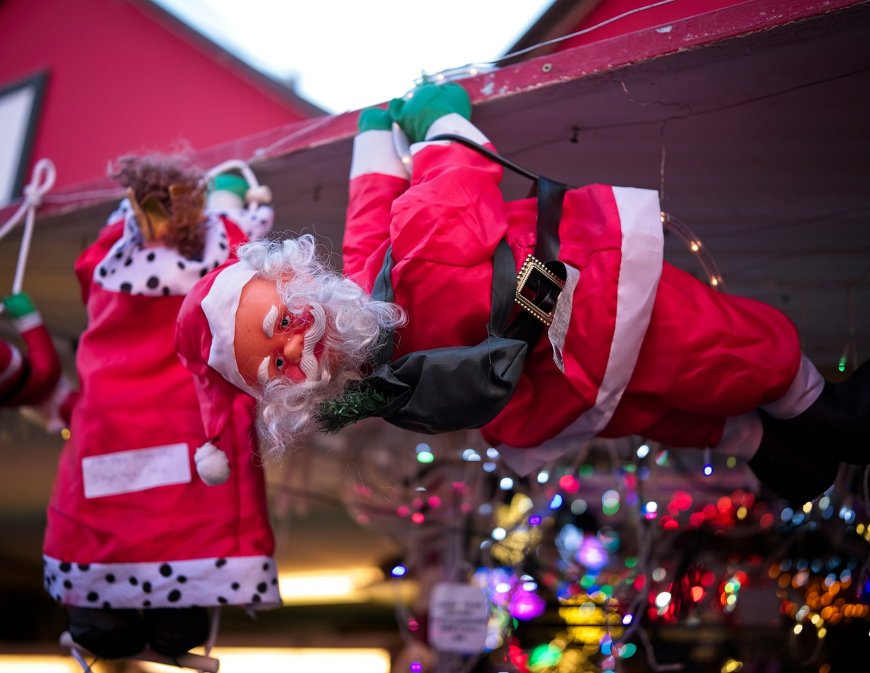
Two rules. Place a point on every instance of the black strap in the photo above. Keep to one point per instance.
(550, 195)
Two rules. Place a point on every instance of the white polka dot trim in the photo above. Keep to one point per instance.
(133, 268)
(250, 581)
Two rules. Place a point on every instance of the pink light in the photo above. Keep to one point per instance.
(569, 483)
(592, 553)
(526, 605)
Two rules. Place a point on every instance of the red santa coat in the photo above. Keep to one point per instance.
(640, 348)
(130, 524)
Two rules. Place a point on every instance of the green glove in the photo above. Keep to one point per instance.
(427, 104)
(228, 182)
(374, 119)
(18, 305)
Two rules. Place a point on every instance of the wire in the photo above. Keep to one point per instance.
(473, 68)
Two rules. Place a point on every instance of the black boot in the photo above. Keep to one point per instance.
(799, 457)
(111, 634)
(175, 631)
(839, 420)
(788, 467)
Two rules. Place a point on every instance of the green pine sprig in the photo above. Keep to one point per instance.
(354, 404)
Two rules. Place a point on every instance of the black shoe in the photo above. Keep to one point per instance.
(175, 631)
(788, 466)
(839, 421)
(110, 634)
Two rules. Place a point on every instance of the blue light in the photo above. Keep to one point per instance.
(399, 570)
(556, 502)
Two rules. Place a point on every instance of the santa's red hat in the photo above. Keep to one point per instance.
(204, 341)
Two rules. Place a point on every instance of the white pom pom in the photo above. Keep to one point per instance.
(260, 194)
(212, 464)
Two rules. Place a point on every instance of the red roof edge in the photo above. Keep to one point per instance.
(607, 55)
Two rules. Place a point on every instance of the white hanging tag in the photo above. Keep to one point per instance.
(458, 616)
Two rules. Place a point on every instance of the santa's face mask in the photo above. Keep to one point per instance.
(270, 342)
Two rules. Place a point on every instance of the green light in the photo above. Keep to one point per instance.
(627, 650)
(841, 363)
(587, 581)
(631, 562)
(630, 468)
(586, 471)
(544, 656)
(425, 457)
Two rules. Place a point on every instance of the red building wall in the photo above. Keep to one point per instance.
(122, 77)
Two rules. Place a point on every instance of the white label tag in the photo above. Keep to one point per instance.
(137, 470)
(459, 614)
(562, 316)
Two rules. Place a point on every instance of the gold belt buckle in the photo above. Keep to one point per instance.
(529, 267)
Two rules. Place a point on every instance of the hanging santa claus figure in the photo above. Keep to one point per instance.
(598, 337)
(146, 529)
(28, 378)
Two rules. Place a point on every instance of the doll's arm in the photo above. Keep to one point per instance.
(377, 178)
(453, 212)
(36, 372)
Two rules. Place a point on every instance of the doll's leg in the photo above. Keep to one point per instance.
(720, 355)
(710, 354)
(733, 355)
(175, 631)
(111, 634)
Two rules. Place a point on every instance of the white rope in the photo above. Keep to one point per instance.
(238, 165)
(41, 181)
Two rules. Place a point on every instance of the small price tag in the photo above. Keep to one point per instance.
(458, 615)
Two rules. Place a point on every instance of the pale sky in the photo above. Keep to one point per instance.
(348, 54)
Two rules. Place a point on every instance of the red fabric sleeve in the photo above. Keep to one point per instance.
(44, 367)
(367, 224)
